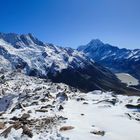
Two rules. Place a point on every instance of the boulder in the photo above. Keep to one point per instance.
(2, 125)
(130, 106)
(62, 96)
(98, 132)
(65, 128)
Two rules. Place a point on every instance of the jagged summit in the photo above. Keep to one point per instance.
(19, 41)
(96, 42)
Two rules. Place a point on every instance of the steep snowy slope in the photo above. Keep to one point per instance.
(40, 57)
(35, 58)
(117, 60)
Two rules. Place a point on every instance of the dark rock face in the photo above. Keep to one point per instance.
(90, 78)
(117, 60)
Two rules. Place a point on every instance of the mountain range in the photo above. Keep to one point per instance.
(81, 68)
(116, 59)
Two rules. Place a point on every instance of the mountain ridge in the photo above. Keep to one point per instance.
(114, 58)
(59, 64)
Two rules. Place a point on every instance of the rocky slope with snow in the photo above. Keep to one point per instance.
(37, 109)
(35, 58)
(117, 60)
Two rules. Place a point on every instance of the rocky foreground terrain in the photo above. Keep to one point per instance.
(37, 109)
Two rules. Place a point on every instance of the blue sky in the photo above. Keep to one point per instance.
(71, 23)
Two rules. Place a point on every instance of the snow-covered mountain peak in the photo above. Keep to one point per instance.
(20, 41)
(96, 42)
(93, 44)
(117, 59)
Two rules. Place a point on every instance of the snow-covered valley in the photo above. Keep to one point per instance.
(37, 109)
(128, 79)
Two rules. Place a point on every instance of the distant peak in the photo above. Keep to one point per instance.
(96, 42)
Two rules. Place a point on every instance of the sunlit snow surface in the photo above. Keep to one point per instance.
(100, 116)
